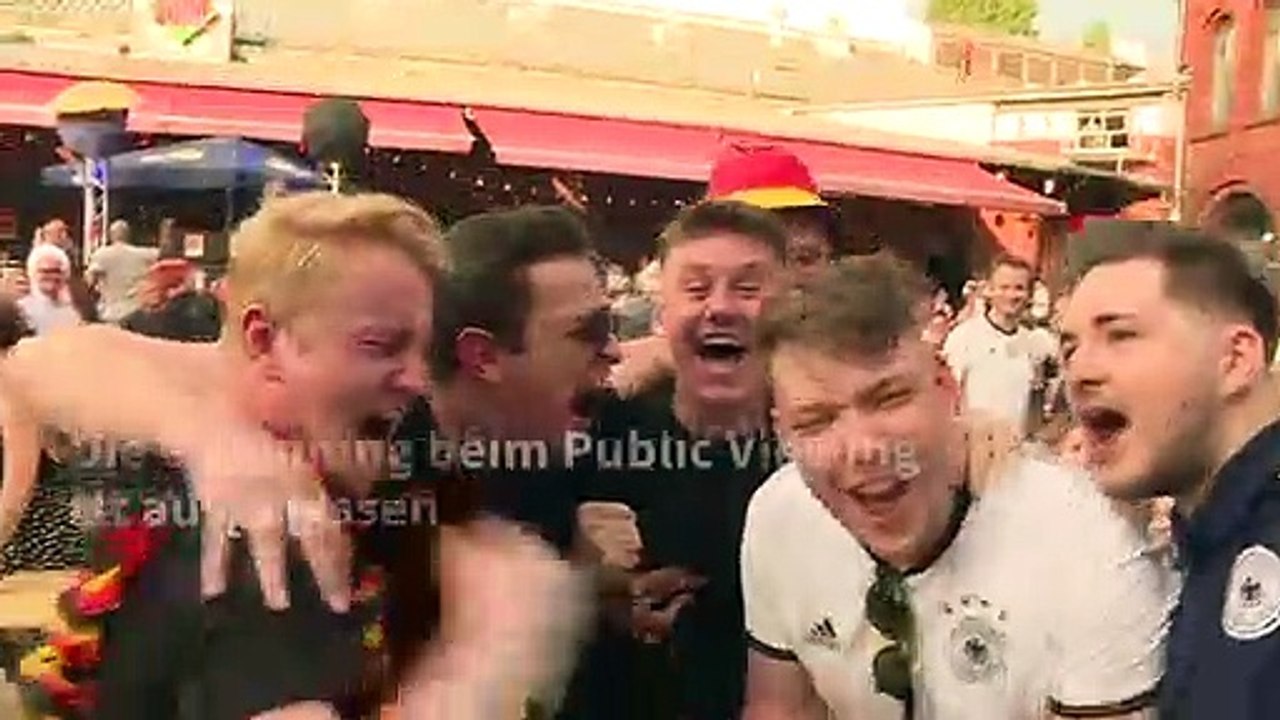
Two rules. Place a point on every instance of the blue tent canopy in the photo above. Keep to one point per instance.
(210, 164)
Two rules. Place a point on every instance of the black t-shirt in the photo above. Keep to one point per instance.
(690, 501)
(169, 655)
(539, 492)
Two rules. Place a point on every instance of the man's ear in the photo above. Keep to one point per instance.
(478, 354)
(259, 336)
(1244, 359)
(258, 332)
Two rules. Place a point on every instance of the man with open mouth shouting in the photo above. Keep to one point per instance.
(329, 318)
(1166, 344)
(772, 179)
(876, 590)
(685, 457)
(523, 342)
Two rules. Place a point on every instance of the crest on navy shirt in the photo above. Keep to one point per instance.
(1251, 609)
(977, 641)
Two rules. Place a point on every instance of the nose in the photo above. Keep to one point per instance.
(1084, 370)
(412, 377)
(721, 302)
(859, 446)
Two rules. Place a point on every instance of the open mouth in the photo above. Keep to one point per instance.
(1102, 426)
(721, 348)
(377, 427)
(587, 402)
(880, 497)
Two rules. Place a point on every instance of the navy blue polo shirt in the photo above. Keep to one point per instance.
(1224, 646)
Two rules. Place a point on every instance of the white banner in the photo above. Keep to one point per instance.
(197, 30)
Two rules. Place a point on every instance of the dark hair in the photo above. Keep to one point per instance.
(1201, 270)
(822, 219)
(725, 217)
(487, 286)
(13, 323)
(1011, 261)
(862, 304)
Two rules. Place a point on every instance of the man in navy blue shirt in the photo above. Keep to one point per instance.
(1166, 345)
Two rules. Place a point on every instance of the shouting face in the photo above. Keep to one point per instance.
(348, 367)
(713, 289)
(872, 435)
(553, 383)
(1143, 380)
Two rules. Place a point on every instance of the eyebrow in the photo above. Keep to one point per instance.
(1111, 318)
(1101, 322)
(706, 267)
(381, 327)
(880, 386)
(858, 396)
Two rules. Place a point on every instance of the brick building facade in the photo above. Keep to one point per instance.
(975, 54)
(1232, 48)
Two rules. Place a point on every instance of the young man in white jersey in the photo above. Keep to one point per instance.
(996, 359)
(876, 589)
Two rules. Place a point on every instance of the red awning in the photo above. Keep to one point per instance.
(537, 139)
(651, 149)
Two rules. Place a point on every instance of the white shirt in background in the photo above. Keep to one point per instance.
(120, 267)
(996, 369)
(47, 314)
(1045, 596)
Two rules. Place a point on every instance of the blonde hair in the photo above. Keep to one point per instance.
(292, 250)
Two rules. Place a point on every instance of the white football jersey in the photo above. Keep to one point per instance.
(1046, 596)
(997, 369)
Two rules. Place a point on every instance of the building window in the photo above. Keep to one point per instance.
(1224, 72)
(1010, 65)
(1271, 62)
(948, 54)
(1103, 131)
(1125, 73)
(1068, 73)
(1039, 71)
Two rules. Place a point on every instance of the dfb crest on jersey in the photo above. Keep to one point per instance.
(977, 641)
(1251, 609)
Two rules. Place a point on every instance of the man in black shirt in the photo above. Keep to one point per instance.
(522, 348)
(686, 456)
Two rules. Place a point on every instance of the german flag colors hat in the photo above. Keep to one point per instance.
(765, 176)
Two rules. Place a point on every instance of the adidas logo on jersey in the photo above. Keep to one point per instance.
(823, 633)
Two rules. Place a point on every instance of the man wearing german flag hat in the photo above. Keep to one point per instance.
(765, 177)
(775, 179)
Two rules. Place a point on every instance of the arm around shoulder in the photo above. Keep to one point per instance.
(153, 385)
(1115, 619)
